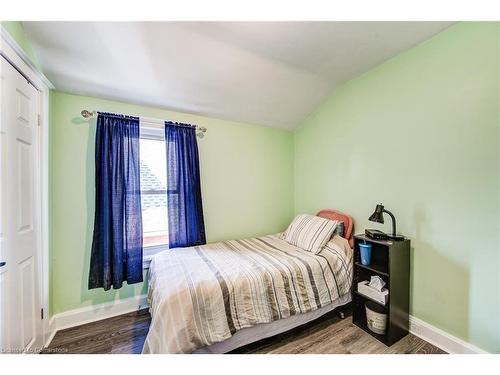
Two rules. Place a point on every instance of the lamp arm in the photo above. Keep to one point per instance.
(393, 221)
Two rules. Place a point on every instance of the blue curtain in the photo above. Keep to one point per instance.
(117, 244)
(185, 210)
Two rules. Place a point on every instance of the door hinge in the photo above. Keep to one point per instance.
(39, 121)
(41, 313)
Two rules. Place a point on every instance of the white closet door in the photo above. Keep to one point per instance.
(20, 302)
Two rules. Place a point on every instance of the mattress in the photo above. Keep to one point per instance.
(204, 295)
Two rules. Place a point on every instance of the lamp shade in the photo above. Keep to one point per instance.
(378, 215)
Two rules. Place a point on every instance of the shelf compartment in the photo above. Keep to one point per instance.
(374, 268)
(359, 317)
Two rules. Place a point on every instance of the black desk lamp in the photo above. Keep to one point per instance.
(378, 217)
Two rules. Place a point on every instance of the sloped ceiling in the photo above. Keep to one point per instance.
(268, 73)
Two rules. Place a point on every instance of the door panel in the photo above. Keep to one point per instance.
(20, 323)
(25, 184)
(27, 285)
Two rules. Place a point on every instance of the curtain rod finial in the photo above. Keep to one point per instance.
(87, 114)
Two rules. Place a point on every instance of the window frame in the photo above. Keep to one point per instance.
(151, 131)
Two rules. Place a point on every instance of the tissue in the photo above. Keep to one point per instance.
(376, 283)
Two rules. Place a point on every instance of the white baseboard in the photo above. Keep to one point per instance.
(94, 313)
(442, 339)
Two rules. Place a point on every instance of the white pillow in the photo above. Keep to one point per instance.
(310, 232)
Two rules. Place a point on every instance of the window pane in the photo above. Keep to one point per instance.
(154, 205)
(154, 219)
(153, 165)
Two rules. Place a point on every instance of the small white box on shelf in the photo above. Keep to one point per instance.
(379, 296)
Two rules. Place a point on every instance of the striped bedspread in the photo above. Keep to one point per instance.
(202, 295)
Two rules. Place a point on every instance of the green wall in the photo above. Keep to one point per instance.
(247, 179)
(420, 133)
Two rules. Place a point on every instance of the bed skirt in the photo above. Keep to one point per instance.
(253, 334)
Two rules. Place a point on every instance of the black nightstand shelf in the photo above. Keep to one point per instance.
(391, 261)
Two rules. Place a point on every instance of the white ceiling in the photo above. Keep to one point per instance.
(269, 73)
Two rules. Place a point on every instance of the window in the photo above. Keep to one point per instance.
(153, 191)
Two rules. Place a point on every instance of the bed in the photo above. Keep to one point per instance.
(215, 298)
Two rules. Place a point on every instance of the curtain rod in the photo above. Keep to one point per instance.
(88, 114)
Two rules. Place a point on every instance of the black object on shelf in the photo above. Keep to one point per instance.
(376, 234)
(391, 262)
(378, 217)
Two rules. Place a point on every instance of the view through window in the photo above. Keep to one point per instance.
(154, 193)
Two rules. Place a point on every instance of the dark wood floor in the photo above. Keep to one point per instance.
(126, 334)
